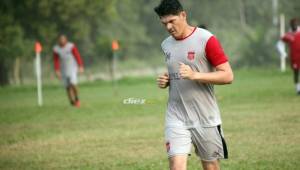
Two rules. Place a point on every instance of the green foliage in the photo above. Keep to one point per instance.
(12, 42)
(257, 48)
(245, 28)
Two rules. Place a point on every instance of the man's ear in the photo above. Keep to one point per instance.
(183, 14)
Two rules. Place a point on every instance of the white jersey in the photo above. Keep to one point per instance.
(68, 64)
(190, 103)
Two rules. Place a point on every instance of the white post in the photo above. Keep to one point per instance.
(114, 71)
(39, 78)
(114, 47)
(282, 64)
(282, 24)
(282, 31)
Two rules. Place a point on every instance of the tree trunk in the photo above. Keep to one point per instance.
(16, 71)
(242, 11)
(4, 78)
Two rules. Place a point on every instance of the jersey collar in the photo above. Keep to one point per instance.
(181, 39)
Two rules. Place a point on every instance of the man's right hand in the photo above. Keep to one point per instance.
(58, 74)
(81, 70)
(163, 81)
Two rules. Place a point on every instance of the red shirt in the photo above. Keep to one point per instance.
(214, 52)
(293, 40)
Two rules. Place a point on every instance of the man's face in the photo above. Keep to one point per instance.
(174, 24)
(294, 26)
(62, 41)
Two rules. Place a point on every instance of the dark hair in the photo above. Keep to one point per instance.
(203, 26)
(168, 7)
(294, 23)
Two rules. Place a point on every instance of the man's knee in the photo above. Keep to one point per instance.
(211, 165)
(178, 162)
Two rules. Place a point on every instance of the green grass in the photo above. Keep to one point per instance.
(260, 111)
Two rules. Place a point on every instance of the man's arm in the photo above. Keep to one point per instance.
(217, 58)
(287, 38)
(56, 64)
(56, 61)
(222, 75)
(78, 59)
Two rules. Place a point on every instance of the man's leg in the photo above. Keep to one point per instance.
(211, 165)
(73, 82)
(75, 96)
(75, 92)
(178, 146)
(178, 162)
(210, 146)
(296, 80)
(70, 94)
(296, 76)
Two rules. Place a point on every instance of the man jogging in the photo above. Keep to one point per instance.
(195, 61)
(66, 62)
(293, 40)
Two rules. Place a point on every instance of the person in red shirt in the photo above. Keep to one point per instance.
(292, 38)
(67, 63)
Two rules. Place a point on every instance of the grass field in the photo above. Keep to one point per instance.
(260, 111)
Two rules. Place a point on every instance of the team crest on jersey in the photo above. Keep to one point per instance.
(191, 55)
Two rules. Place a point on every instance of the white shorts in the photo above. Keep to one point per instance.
(208, 142)
(70, 79)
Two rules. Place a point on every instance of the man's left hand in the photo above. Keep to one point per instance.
(186, 71)
(81, 70)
